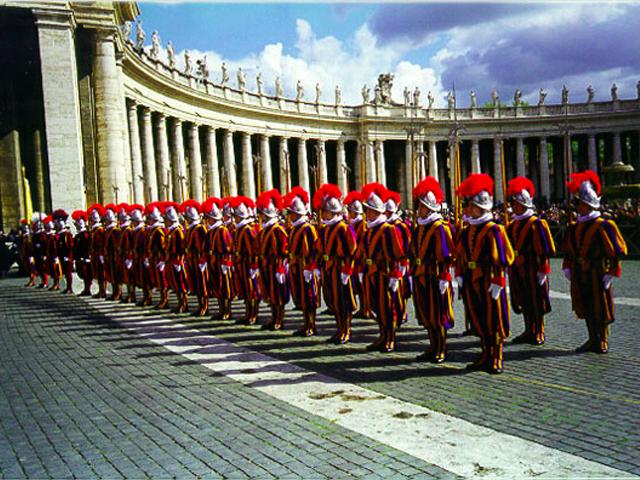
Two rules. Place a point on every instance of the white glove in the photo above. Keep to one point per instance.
(128, 263)
(101, 259)
(410, 283)
(567, 273)
(444, 286)
(56, 260)
(393, 284)
(607, 280)
(253, 273)
(31, 260)
(87, 260)
(66, 259)
(361, 277)
(495, 290)
(280, 277)
(459, 281)
(308, 275)
(146, 262)
(224, 269)
(403, 269)
(161, 266)
(202, 266)
(316, 272)
(345, 278)
(542, 278)
(44, 257)
(177, 268)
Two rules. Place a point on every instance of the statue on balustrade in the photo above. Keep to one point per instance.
(378, 95)
(542, 95)
(430, 99)
(225, 75)
(188, 65)
(614, 92)
(517, 98)
(565, 95)
(140, 36)
(155, 45)
(590, 94)
(407, 96)
(451, 100)
(279, 91)
(474, 99)
(203, 69)
(171, 55)
(126, 30)
(299, 91)
(242, 82)
(318, 93)
(385, 82)
(495, 98)
(365, 94)
(416, 97)
(260, 84)
(338, 95)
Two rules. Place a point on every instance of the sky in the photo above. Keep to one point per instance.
(434, 46)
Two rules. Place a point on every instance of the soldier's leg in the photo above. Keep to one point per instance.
(440, 338)
(538, 330)
(427, 355)
(592, 341)
(497, 364)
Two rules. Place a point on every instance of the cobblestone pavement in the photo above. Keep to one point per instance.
(84, 396)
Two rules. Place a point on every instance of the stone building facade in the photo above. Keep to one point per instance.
(88, 116)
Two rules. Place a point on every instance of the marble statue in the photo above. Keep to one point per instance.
(338, 95)
(140, 36)
(155, 45)
(279, 91)
(517, 97)
(542, 95)
(225, 75)
(365, 94)
(495, 98)
(188, 66)
(318, 93)
(430, 99)
(451, 101)
(407, 96)
(259, 83)
(590, 94)
(203, 69)
(171, 55)
(378, 95)
(126, 30)
(299, 91)
(242, 81)
(614, 92)
(474, 99)
(385, 82)
(416, 97)
(565, 95)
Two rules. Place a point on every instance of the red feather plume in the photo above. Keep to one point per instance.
(270, 196)
(353, 196)
(237, 201)
(111, 206)
(518, 184)
(328, 190)
(476, 183)
(136, 206)
(47, 219)
(377, 188)
(190, 204)
(60, 214)
(426, 185)
(78, 214)
(391, 195)
(295, 192)
(98, 208)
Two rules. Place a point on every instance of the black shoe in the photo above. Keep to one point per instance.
(425, 357)
(522, 338)
(585, 347)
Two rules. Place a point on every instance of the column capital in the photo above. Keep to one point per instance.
(57, 18)
(160, 115)
(177, 122)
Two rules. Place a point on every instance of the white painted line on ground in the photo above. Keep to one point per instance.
(450, 443)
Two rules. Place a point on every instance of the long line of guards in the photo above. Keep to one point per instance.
(355, 253)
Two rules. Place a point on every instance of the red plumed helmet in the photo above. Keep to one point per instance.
(270, 202)
(353, 196)
(241, 200)
(97, 208)
(24, 221)
(190, 207)
(324, 194)
(297, 200)
(422, 189)
(111, 206)
(298, 191)
(587, 176)
(372, 196)
(476, 183)
(518, 184)
(391, 200)
(47, 219)
(79, 214)
(136, 206)
(60, 214)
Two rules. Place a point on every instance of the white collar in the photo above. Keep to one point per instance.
(244, 222)
(378, 220)
(592, 215)
(393, 217)
(111, 225)
(156, 224)
(429, 219)
(270, 222)
(125, 224)
(83, 229)
(299, 221)
(526, 214)
(173, 226)
(481, 219)
(94, 226)
(193, 223)
(215, 225)
(355, 221)
(139, 226)
(332, 221)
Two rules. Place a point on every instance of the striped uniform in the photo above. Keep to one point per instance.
(360, 228)
(246, 253)
(81, 255)
(65, 256)
(156, 248)
(125, 255)
(272, 245)
(112, 260)
(97, 258)
(175, 263)
(39, 256)
(195, 256)
(53, 262)
(302, 256)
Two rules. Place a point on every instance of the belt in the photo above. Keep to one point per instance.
(418, 261)
(325, 258)
(471, 265)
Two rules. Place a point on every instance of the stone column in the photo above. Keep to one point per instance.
(284, 168)
(179, 164)
(408, 174)
(617, 148)
(108, 102)
(213, 175)
(303, 165)
(358, 165)
(420, 159)
(370, 162)
(322, 162)
(475, 155)
(136, 155)
(195, 163)
(40, 200)
(592, 153)
(265, 163)
(229, 166)
(126, 145)
(148, 158)
(248, 177)
(545, 182)
(520, 157)
(497, 171)
(61, 107)
(341, 165)
(381, 172)
(162, 158)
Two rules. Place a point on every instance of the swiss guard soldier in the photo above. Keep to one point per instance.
(382, 246)
(175, 264)
(272, 254)
(144, 273)
(483, 255)
(431, 257)
(111, 250)
(246, 257)
(156, 247)
(82, 250)
(337, 247)
(592, 249)
(303, 270)
(40, 248)
(127, 248)
(26, 252)
(219, 249)
(96, 212)
(529, 274)
(64, 248)
(196, 255)
(52, 261)
(355, 214)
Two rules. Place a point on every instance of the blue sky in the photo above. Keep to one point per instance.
(479, 46)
